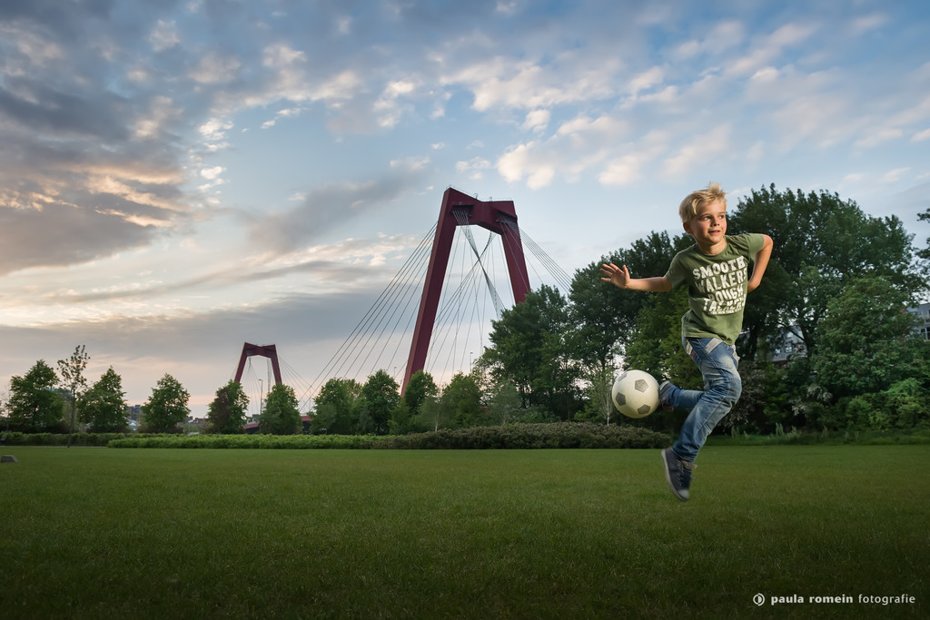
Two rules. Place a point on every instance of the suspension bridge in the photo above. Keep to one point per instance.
(435, 313)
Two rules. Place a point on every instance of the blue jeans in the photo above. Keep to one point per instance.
(722, 386)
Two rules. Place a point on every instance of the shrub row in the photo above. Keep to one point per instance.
(530, 436)
(247, 441)
(59, 439)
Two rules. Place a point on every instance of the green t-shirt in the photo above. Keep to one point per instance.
(716, 287)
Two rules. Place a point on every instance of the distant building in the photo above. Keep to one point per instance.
(134, 416)
(787, 346)
(922, 312)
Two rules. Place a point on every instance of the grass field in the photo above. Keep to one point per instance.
(105, 533)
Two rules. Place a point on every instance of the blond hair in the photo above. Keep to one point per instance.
(694, 201)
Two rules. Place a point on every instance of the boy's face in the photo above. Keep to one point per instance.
(709, 226)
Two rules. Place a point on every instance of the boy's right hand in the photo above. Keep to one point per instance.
(617, 276)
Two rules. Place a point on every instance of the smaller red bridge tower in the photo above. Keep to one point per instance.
(268, 350)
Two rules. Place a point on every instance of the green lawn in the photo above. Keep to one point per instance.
(107, 533)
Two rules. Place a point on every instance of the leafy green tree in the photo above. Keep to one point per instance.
(603, 316)
(401, 421)
(381, 397)
(765, 403)
(431, 417)
(822, 244)
(908, 403)
(71, 373)
(924, 254)
(420, 386)
(166, 409)
(655, 345)
(600, 403)
(337, 408)
(461, 401)
(33, 405)
(529, 348)
(503, 401)
(103, 406)
(227, 412)
(281, 415)
(866, 340)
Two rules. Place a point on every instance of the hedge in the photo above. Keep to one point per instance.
(532, 436)
(521, 436)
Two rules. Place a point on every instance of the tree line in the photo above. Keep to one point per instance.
(837, 284)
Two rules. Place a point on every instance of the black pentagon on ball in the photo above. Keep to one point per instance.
(640, 385)
(644, 409)
(621, 399)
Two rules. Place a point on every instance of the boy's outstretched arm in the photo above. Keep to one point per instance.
(760, 263)
(620, 277)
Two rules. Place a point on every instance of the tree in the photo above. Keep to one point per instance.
(33, 405)
(71, 372)
(401, 421)
(337, 407)
(603, 316)
(655, 344)
(503, 400)
(381, 397)
(227, 412)
(529, 348)
(461, 402)
(281, 415)
(420, 386)
(822, 244)
(103, 406)
(866, 340)
(924, 254)
(166, 408)
(432, 416)
(600, 403)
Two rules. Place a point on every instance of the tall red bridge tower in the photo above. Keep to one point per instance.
(460, 209)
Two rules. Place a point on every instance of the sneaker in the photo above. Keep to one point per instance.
(677, 473)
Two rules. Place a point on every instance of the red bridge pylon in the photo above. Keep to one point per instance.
(460, 209)
(268, 350)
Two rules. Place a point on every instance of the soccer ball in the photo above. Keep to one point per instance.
(635, 393)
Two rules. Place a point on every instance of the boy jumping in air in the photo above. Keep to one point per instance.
(716, 271)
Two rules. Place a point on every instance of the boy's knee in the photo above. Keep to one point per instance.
(734, 388)
(731, 387)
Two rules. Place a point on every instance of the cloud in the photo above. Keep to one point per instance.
(865, 23)
(621, 171)
(699, 151)
(646, 80)
(527, 160)
(878, 136)
(164, 35)
(577, 145)
(537, 120)
(895, 175)
(61, 235)
(474, 167)
(920, 136)
(323, 209)
(216, 68)
(499, 82)
(770, 48)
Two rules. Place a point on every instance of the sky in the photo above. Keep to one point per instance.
(178, 178)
